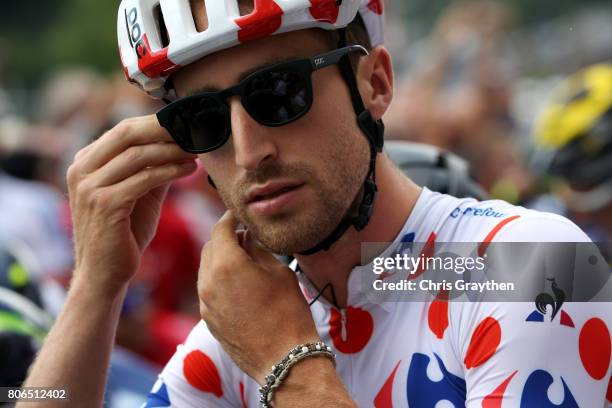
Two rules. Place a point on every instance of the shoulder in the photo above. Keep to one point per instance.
(200, 374)
(495, 220)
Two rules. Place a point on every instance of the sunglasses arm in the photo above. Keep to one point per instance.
(333, 57)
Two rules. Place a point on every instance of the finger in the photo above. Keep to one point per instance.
(81, 153)
(257, 252)
(159, 193)
(204, 310)
(225, 241)
(206, 259)
(139, 184)
(225, 229)
(135, 131)
(136, 158)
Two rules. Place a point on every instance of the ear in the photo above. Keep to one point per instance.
(375, 81)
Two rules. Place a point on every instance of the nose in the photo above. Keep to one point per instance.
(252, 142)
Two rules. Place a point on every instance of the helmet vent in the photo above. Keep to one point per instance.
(245, 7)
(200, 16)
(180, 32)
(161, 26)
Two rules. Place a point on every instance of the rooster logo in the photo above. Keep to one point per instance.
(543, 300)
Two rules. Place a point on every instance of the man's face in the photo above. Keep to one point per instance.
(289, 185)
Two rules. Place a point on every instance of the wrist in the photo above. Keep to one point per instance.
(84, 289)
(305, 377)
(280, 350)
(313, 382)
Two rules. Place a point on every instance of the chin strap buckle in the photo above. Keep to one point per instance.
(367, 205)
(374, 129)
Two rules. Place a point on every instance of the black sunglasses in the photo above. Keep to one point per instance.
(273, 96)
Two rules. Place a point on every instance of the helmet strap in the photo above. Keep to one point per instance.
(374, 132)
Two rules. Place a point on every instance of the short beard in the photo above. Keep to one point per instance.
(288, 234)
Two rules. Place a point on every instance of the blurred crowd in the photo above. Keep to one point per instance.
(75, 107)
(477, 86)
(520, 104)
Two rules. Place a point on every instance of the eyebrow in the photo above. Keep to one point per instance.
(243, 75)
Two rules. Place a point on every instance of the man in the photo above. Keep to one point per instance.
(300, 175)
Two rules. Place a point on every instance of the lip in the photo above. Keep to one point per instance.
(269, 200)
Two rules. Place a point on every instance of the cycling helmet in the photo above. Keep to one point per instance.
(157, 37)
(15, 275)
(434, 168)
(573, 137)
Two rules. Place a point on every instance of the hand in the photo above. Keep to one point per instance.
(116, 187)
(250, 301)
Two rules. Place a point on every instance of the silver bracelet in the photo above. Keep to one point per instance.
(281, 370)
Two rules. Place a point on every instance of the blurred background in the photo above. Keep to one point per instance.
(481, 79)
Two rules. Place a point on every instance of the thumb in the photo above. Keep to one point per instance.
(225, 229)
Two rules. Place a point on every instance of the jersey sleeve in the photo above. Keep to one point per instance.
(513, 355)
(200, 374)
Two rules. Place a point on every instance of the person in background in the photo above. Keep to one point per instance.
(24, 322)
(33, 207)
(6, 107)
(573, 141)
(26, 304)
(458, 97)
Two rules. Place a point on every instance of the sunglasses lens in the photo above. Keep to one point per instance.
(278, 97)
(200, 124)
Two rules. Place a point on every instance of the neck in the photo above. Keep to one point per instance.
(395, 200)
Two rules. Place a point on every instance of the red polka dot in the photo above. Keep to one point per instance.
(566, 320)
(595, 348)
(496, 397)
(437, 317)
(201, 373)
(484, 343)
(384, 398)
(265, 19)
(325, 10)
(358, 329)
(242, 399)
(376, 6)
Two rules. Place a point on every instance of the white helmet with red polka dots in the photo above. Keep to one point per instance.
(157, 37)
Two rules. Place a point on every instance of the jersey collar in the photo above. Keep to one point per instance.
(362, 278)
